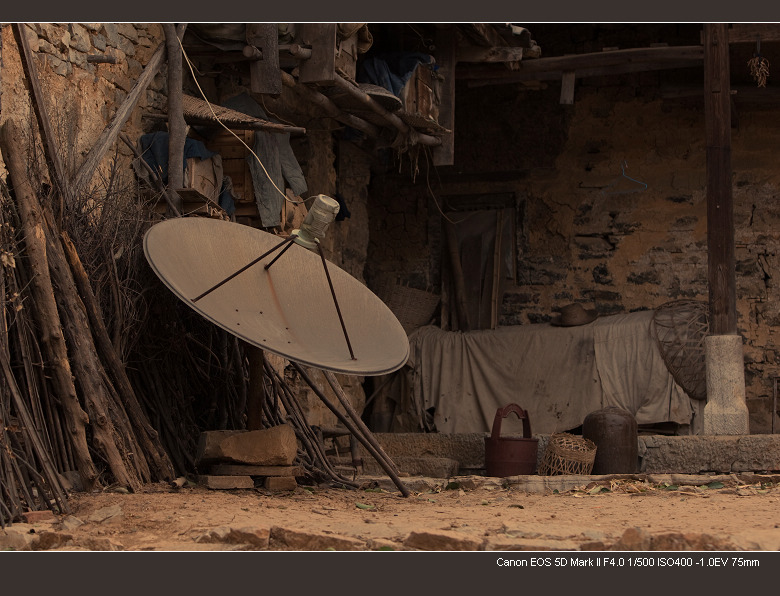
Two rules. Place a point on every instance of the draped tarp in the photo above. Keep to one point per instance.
(557, 374)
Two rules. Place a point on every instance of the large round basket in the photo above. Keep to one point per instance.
(680, 328)
(567, 454)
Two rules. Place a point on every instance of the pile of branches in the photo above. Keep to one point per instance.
(108, 379)
(70, 415)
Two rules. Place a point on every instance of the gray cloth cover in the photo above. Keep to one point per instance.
(557, 374)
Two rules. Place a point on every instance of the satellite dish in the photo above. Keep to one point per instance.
(287, 308)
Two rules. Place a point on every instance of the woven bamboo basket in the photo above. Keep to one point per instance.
(567, 454)
(680, 328)
(412, 307)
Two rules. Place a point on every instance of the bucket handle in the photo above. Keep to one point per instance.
(503, 413)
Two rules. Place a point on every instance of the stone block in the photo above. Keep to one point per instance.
(755, 539)
(79, 38)
(678, 541)
(32, 517)
(44, 47)
(17, 537)
(102, 544)
(726, 412)
(383, 544)
(111, 34)
(104, 514)
(246, 470)
(280, 483)
(126, 46)
(71, 522)
(542, 485)
(441, 540)
(59, 67)
(50, 540)
(226, 482)
(531, 544)
(286, 538)
(127, 30)
(634, 539)
(255, 537)
(99, 42)
(697, 454)
(276, 446)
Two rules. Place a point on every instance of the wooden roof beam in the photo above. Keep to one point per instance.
(601, 64)
(330, 108)
(490, 54)
(498, 77)
(484, 34)
(391, 119)
(752, 32)
(611, 62)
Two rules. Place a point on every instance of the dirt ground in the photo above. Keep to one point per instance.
(465, 513)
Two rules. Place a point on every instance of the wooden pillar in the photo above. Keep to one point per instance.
(726, 412)
(177, 127)
(446, 58)
(256, 391)
(265, 75)
(720, 216)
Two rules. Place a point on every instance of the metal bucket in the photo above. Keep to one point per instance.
(510, 456)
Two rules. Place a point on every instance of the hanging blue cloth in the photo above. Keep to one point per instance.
(391, 70)
(154, 150)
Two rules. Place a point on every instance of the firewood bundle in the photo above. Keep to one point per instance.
(68, 408)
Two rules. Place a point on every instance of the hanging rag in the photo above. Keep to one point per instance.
(277, 156)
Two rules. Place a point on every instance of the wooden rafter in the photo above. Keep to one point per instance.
(593, 64)
(752, 32)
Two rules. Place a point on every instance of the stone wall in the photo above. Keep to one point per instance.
(82, 96)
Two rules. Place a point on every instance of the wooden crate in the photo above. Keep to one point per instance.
(193, 203)
(201, 175)
(234, 163)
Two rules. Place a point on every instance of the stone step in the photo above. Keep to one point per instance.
(658, 454)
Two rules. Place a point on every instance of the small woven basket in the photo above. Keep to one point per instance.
(567, 454)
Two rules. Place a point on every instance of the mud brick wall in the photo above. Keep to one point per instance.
(585, 233)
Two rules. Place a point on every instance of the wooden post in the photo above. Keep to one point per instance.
(320, 69)
(446, 58)
(456, 270)
(256, 393)
(177, 127)
(567, 87)
(109, 135)
(720, 216)
(264, 73)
